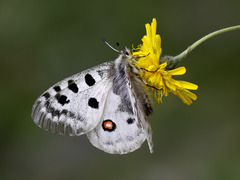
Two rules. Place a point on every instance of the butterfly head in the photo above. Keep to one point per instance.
(125, 52)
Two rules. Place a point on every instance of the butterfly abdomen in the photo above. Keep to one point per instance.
(123, 71)
(141, 92)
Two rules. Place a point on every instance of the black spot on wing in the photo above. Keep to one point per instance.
(62, 99)
(72, 86)
(57, 88)
(90, 81)
(93, 103)
(46, 95)
(130, 120)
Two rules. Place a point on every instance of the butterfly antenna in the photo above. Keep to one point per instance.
(104, 40)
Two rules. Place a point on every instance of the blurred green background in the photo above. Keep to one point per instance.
(42, 42)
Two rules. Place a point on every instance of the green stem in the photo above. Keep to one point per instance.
(179, 57)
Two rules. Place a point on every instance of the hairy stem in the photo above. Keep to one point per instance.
(179, 57)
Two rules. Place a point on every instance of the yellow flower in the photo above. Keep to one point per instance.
(155, 75)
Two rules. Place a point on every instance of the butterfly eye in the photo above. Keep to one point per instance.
(108, 125)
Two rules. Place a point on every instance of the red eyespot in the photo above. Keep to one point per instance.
(108, 125)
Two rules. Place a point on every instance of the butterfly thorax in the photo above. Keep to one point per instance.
(125, 72)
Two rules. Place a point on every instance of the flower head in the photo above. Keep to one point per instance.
(154, 74)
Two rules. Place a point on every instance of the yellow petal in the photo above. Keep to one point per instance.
(170, 85)
(153, 31)
(154, 26)
(149, 33)
(152, 68)
(158, 47)
(163, 65)
(185, 99)
(188, 85)
(177, 83)
(178, 71)
(189, 94)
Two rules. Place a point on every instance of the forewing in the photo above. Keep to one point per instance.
(75, 105)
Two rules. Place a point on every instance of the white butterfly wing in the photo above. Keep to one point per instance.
(74, 106)
(106, 102)
(119, 130)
